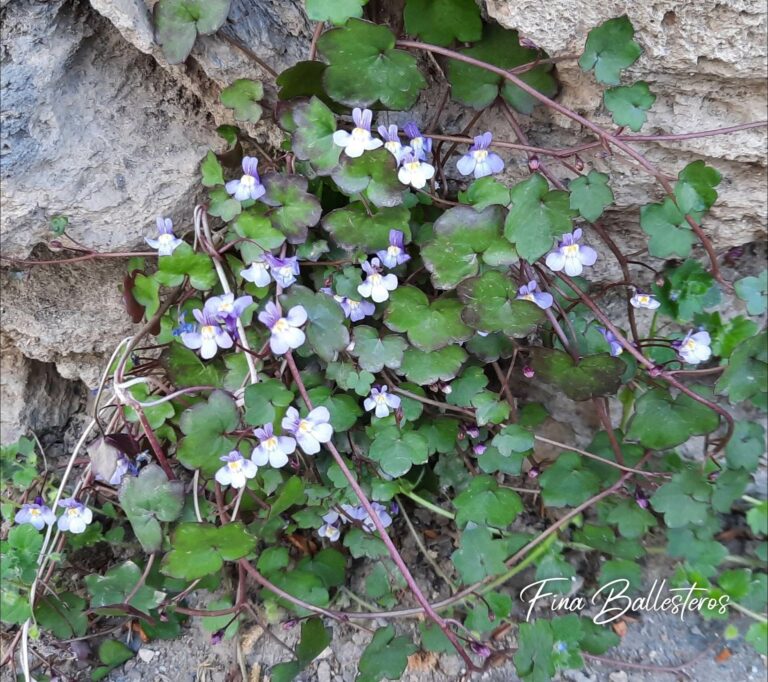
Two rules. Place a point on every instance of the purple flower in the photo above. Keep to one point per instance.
(395, 254)
(479, 449)
(359, 514)
(643, 300)
(208, 337)
(122, 467)
(166, 241)
(528, 292)
(570, 256)
(414, 171)
(641, 499)
(528, 372)
(479, 160)
(184, 326)
(616, 348)
(694, 348)
(76, 516)
(285, 332)
(284, 270)
(311, 430)
(38, 515)
(257, 272)
(329, 529)
(376, 286)
(355, 310)
(272, 449)
(249, 186)
(236, 470)
(360, 139)
(227, 309)
(472, 431)
(381, 401)
(392, 142)
(420, 146)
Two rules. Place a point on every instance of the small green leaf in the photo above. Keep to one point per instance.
(266, 402)
(695, 188)
(485, 503)
(211, 169)
(313, 138)
(325, 330)
(242, 96)
(385, 657)
(485, 192)
(223, 206)
(352, 228)
(747, 372)
(427, 368)
(757, 636)
(536, 216)
(594, 375)
(184, 261)
(610, 48)
(534, 660)
(746, 446)
(294, 209)
(684, 500)
(117, 583)
(668, 230)
(187, 369)
(256, 227)
(632, 520)
(566, 484)
(628, 104)
(335, 11)
(63, 614)
(59, 224)
(364, 67)
(178, 22)
(754, 292)
(113, 653)
(374, 352)
(146, 291)
(479, 555)
(440, 22)
(590, 195)
(757, 518)
(687, 290)
(205, 427)
(374, 173)
(397, 451)
(513, 438)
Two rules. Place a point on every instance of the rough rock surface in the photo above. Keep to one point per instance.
(97, 126)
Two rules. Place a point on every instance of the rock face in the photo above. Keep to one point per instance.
(97, 126)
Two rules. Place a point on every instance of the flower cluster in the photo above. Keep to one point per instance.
(356, 515)
(74, 519)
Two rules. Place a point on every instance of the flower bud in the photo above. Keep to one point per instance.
(528, 372)
(479, 449)
(641, 500)
(533, 163)
(216, 637)
(472, 431)
(480, 649)
(534, 471)
(578, 163)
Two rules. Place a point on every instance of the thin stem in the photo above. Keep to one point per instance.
(418, 499)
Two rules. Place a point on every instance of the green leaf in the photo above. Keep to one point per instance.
(364, 67)
(628, 104)
(462, 234)
(266, 402)
(757, 636)
(187, 369)
(477, 87)
(211, 170)
(362, 544)
(156, 415)
(566, 484)
(374, 173)
(117, 583)
(687, 290)
(695, 188)
(729, 486)
(335, 11)
(63, 614)
(148, 499)
(352, 228)
(178, 22)
(684, 499)
(429, 326)
(490, 306)
(59, 224)
(385, 657)
(223, 206)
(397, 451)
(513, 438)
(478, 556)
(326, 331)
(345, 410)
(632, 520)
(485, 192)
(757, 518)
(610, 48)
(754, 292)
(200, 549)
(374, 352)
(485, 503)
(594, 375)
(146, 291)
(747, 372)
(113, 653)
(295, 210)
(313, 138)
(533, 660)
(242, 96)
(185, 261)
(536, 216)
(590, 195)
(205, 426)
(666, 226)
(257, 227)
(746, 446)
(489, 409)
(427, 368)
(660, 421)
(315, 637)
(440, 22)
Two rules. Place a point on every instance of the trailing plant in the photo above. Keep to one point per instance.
(368, 322)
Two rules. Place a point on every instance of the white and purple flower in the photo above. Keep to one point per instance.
(285, 332)
(329, 530)
(359, 513)
(284, 270)
(36, 514)
(311, 430)
(392, 142)
(208, 336)
(272, 449)
(478, 160)
(420, 145)
(395, 253)
(166, 241)
(381, 401)
(123, 467)
(528, 292)
(695, 347)
(257, 272)
(227, 309)
(356, 310)
(570, 255)
(643, 300)
(376, 286)
(610, 338)
(236, 470)
(249, 185)
(75, 518)
(415, 172)
(360, 139)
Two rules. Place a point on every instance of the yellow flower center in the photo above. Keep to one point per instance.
(529, 297)
(281, 326)
(571, 251)
(35, 512)
(360, 134)
(393, 250)
(353, 304)
(165, 238)
(481, 155)
(285, 272)
(413, 166)
(380, 399)
(270, 444)
(305, 426)
(248, 180)
(375, 279)
(392, 147)
(644, 300)
(226, 307)
(235, 466)
(208, 331)
(73, 511)
(690, 344)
